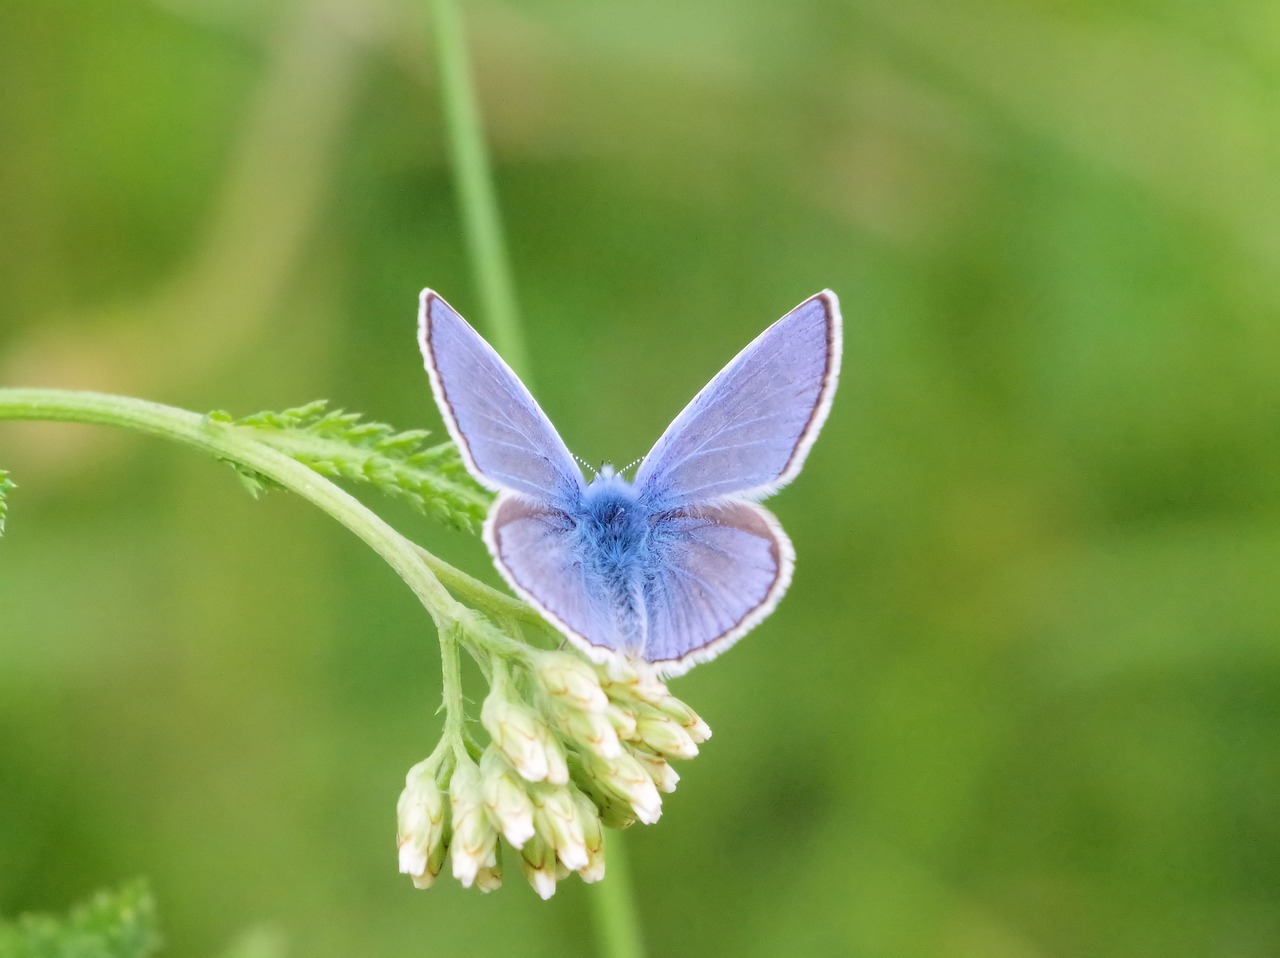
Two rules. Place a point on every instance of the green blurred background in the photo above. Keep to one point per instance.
(1023, 697)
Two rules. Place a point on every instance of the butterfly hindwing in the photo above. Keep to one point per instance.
(505, 438)
(705, 577)
(715, 571)
(747, 433)
(541, 553)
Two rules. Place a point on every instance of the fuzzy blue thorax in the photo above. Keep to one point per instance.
(614, 522)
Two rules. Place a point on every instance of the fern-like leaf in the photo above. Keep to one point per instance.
(119, 924)
(432, 478)
(6, 484)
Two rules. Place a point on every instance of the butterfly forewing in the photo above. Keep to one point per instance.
(507, 441)
(747, 433)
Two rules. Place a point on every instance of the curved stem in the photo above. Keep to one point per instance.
(472, 589)
(226, 441)
(455, 732)
(237, 444)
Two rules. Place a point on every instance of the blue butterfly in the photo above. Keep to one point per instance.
(677, 565)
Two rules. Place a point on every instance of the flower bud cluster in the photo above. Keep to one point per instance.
(577, 749)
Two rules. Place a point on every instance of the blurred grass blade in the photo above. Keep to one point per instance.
(477, 197)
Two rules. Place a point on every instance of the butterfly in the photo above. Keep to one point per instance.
(676, 565)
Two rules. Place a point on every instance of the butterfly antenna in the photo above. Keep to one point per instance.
(630, 464)
(584, 462)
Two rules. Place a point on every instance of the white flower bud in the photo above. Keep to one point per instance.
(664, 735)
(687, 718)
(663, 775)
(593, 835)
(420, 824)
(641, 691)
(557, 768)
(538, 862)
(475, 840)
(614, 810)
(490, 878)
(631, 678)
(556, 818)
(622, 720)
(592, 729)
(524, 738)
(506, 798)
(425, 880)
(627, 778)
(569, 679)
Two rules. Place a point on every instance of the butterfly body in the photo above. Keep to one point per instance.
(675, 566)
(613, 540)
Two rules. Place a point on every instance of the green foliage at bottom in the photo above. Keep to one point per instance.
(113, 924)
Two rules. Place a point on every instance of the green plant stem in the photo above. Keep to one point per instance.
(454, 702)
(236, 443)
(225, 441)
(613, 906)
(473, 590)
(477, 197)
(614, 899)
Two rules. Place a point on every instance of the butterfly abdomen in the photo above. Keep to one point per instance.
(615, 533)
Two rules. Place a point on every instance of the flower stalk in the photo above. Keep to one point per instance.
(573, 747)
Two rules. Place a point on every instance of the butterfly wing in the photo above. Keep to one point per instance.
(716, 571)
(748, 432)
(711, 573)
(713, 566)
(540, 553)
(505, 439)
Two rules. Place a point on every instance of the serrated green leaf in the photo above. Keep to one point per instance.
(6, 484)
(255, 482)
(116, 924)
(337, 443)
